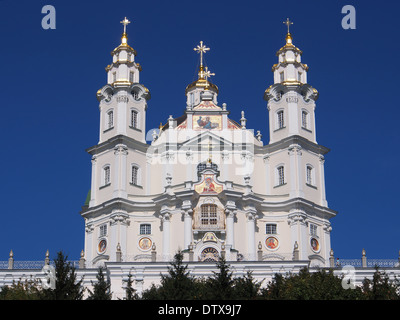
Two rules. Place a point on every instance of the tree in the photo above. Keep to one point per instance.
(67, 287)
(221, 284)
(381, 287)
(101, 288)
(246, 287)
(319, 285)
(21, 290)
(178, 284)
(130, 292)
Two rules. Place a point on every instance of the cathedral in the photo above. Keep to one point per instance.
(205, 184)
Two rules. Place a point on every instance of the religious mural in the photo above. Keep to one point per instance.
(208, 186)
(207, 122)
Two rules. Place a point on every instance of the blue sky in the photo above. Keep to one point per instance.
(49, 80)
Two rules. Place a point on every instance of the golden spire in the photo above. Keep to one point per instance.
(125, 22)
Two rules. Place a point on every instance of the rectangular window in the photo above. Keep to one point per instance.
(299, 76)
(209, 214)
(282, 76)
(281, 122)
(304, 119)
(103, 230)
(135, 171)
(313, 229)
(145, 228)
(131, 76)
(107, 175)
(114, 76)
(309, 175)
(110, 119)
(270, 229)
(281, 176)
(134, 119)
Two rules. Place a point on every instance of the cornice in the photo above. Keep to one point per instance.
(292, 140)
(116, 140)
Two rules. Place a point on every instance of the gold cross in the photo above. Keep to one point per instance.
(125, 22)
(201, 49)
(208, 74)
(288, 24)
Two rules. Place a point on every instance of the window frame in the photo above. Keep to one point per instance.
(273, 230)
(145, 229)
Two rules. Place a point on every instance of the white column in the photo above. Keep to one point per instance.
(120, 171)
(298, 230)
(122, 123)
(296, 172)
(293, 115)
(322, 181)
(268, 177)
(93, 188)
(251, 239)
(188, 222)
(230, 235)
(327, 242)
(166, 236)
(89, 245)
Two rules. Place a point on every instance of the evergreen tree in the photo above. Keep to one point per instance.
(101, 288)
(246, 287)
(178, 284)
(221, 284)
(381, 287)
(67, 287)
(21, 290)
(130, 292)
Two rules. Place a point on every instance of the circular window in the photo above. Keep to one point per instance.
(102, 246)
(314, 244)
(209, 255)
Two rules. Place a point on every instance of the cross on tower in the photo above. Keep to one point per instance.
(288, 24)
(208, 74)
(125, 22)
(201, 49)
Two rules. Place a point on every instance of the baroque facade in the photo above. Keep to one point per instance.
(205, 184)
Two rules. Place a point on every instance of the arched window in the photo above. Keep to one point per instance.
(280, 120)
(106, 175)
(280, 175)
(110, 119)
(134, 119)
(310, 175)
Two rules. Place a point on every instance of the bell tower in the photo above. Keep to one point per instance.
(123, 100)
(291, 100)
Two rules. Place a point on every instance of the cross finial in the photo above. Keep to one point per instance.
(201, 49)
(125, 22)
(207, 73)
(288, 24)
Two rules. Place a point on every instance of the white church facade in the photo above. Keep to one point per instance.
(205, 184)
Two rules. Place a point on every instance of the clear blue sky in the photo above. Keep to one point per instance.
(49, 111)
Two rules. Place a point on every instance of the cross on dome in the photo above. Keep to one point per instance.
(125, 22)
(201, 49)
(288, 24)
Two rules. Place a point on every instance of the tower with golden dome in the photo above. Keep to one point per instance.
(206, 184)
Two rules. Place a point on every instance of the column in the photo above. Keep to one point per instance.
(188, 222)
(89, 245)
(118, 230)
(322, 180)
(93, 187)
(327, 242)
(251, 239)
(296, 172)
(293, 116)
(230, 234)
(268, 178)
(120, 171)
(122, 101)
(165, 217)
(298, 230)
